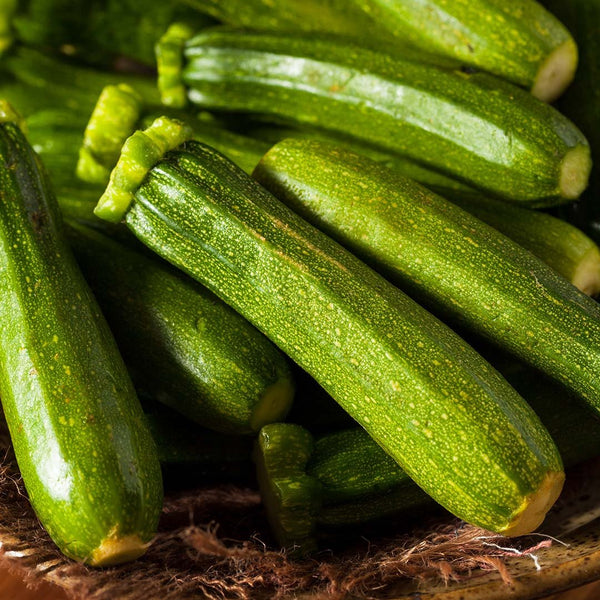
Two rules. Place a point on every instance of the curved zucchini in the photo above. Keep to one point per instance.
(86, 456)
(182, 345)
(448, 259)
(469, 439)
(469, 126)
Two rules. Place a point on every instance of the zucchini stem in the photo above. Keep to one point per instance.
(556, 72)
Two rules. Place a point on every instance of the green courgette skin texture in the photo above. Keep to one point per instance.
(510, 39)
(443, 256)
(472, 127)
(86, 456)
(388, 362)
(183, 346)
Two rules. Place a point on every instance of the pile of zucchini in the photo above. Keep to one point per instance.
(352, 207)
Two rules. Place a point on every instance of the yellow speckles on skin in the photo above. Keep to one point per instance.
(67, 369)
(354, 361)
(62, 420)
(428, 433)
(416, 423)
(444, 416)
(71, 421)
(395, 386)
(55, 338)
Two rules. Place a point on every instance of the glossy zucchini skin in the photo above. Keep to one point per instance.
(388, 362)
(182, 345)
(445, 120)
(443, 256)
(85, 453)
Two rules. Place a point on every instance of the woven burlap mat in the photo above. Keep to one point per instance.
(213, 542)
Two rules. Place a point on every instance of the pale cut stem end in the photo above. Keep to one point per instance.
(587, 274)
(274, 404)
(113, 120)
(533, 511)
(116, 550)
(557, 72)
(575, 172)
(140, 153)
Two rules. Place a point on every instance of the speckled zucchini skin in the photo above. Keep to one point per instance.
(467, 437)
(486, 282)
(183, 346)
(83, 448)
(510, 39)
(470, 126)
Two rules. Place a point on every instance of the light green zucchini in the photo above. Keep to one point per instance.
(83, 448)
(443, 256)
(468, 126)
(468, 438)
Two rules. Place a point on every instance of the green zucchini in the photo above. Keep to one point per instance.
(469, 439)
(449, 260)
(519, 40)
(440, 117)
(182, 345)
(562, 246)
(84, 451)
(348, 479)
(36, 81)
(97, 31)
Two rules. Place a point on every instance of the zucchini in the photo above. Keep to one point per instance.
(444, 121)
(348, 479)
(562, 246)
(559, 244)
(182, 345)
(469, 439)
(449, 260)
(86, 456)
(541, 54)
(98, 31)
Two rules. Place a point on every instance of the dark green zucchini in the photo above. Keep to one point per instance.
(97, 31)
(468, 438)
(442, 118)
(84, 451)
(449, 260)
(517, 40)
(182, 345)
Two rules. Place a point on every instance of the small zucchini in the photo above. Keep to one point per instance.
(182, 345)
(83, 448)
(468, 439)
(472, 127)
(448, 259)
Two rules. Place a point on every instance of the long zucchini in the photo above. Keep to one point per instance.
(471, 126)
(182, 345)
(85, 454)
(468, 438)
(451, 261)
(517, 40)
